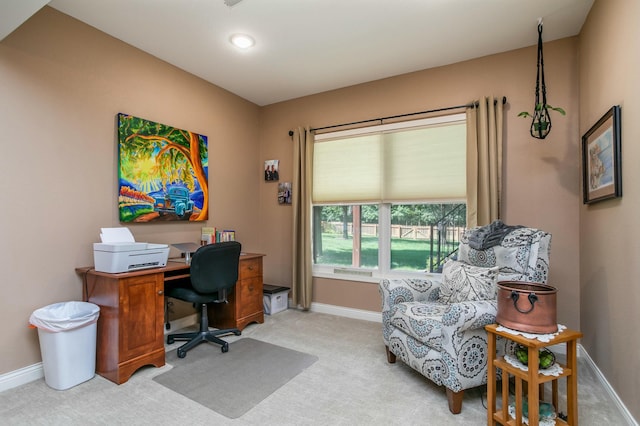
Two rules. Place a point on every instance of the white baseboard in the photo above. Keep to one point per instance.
(605, 384)
(21, 376)
(347, 312)
(33, 372)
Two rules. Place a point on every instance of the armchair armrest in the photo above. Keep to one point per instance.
(463, 316)
(464, 343)
(408, 290)
(397, 291)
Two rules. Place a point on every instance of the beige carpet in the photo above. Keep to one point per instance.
(232, 383)
(350, 384)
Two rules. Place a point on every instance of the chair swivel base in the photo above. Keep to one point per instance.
(195, 338)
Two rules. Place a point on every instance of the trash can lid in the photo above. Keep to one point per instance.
(65, 316)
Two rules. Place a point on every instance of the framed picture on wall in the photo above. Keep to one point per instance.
(284, 193)
(163, 172)
(602, 159)
(271, 172)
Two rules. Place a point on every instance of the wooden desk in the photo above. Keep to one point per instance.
(535, 381)
(130, 331)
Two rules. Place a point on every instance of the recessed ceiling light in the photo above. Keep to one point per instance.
(242, 41)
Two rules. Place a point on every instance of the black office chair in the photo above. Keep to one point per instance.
(214, 271)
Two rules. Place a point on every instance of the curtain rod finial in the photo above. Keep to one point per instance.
(290, 133)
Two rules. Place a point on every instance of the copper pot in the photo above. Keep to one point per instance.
(528, 307)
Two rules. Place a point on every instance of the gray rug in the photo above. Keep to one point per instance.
(234, 382)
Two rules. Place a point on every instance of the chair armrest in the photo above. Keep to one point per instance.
(408, 290)
(397, 291)
(463, 316)
(464, 343)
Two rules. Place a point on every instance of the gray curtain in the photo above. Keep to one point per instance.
(484, 161)
(301, 292)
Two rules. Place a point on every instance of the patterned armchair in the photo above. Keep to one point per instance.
(439, 332)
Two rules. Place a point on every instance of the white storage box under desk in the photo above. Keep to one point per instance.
(275, 299)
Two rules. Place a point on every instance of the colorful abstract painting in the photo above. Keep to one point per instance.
(162, 172)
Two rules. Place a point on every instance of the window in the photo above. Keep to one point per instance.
(343, 238)
(389, 198)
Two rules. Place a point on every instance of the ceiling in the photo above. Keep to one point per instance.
(305, 47)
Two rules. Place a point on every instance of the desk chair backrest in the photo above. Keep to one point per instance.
(214, 268)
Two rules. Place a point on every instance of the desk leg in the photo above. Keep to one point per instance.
(491, 379)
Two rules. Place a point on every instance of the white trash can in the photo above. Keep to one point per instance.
(67, 334)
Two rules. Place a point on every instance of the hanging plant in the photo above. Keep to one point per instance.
(541, 119)
(541, 123)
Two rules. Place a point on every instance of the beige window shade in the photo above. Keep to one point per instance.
(347, 169)
(425, 164)
(394, 164)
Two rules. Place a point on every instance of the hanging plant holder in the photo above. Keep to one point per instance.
(541, 122)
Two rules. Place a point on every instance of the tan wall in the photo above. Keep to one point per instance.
(541, 177)
(609, 230)
(62, 84)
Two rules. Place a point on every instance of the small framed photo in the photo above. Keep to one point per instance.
(602, 159)
(271, 170)
(284, 193)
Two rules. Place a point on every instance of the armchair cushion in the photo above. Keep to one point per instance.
(462, 282)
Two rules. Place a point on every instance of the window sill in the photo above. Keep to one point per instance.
(375, 277)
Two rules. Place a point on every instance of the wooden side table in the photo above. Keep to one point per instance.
(535, 380)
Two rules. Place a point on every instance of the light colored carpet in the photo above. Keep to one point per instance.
(350, 384)
(232, 383)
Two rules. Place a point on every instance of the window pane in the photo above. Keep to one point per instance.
(423, 235)
(336, 241)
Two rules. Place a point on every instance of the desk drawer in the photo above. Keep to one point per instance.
(250, 268)
(245, 302)
(250, 293)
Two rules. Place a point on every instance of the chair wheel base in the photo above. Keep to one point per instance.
(181, 353)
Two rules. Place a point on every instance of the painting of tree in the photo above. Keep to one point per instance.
(162, 171)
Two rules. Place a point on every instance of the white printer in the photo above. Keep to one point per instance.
(118, 252)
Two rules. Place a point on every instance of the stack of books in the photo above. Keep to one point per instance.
(211, 235)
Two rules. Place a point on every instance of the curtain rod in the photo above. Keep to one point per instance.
(504, 101)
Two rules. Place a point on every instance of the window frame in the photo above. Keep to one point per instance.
(384, 270)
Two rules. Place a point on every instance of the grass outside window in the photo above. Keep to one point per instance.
(406, 254)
